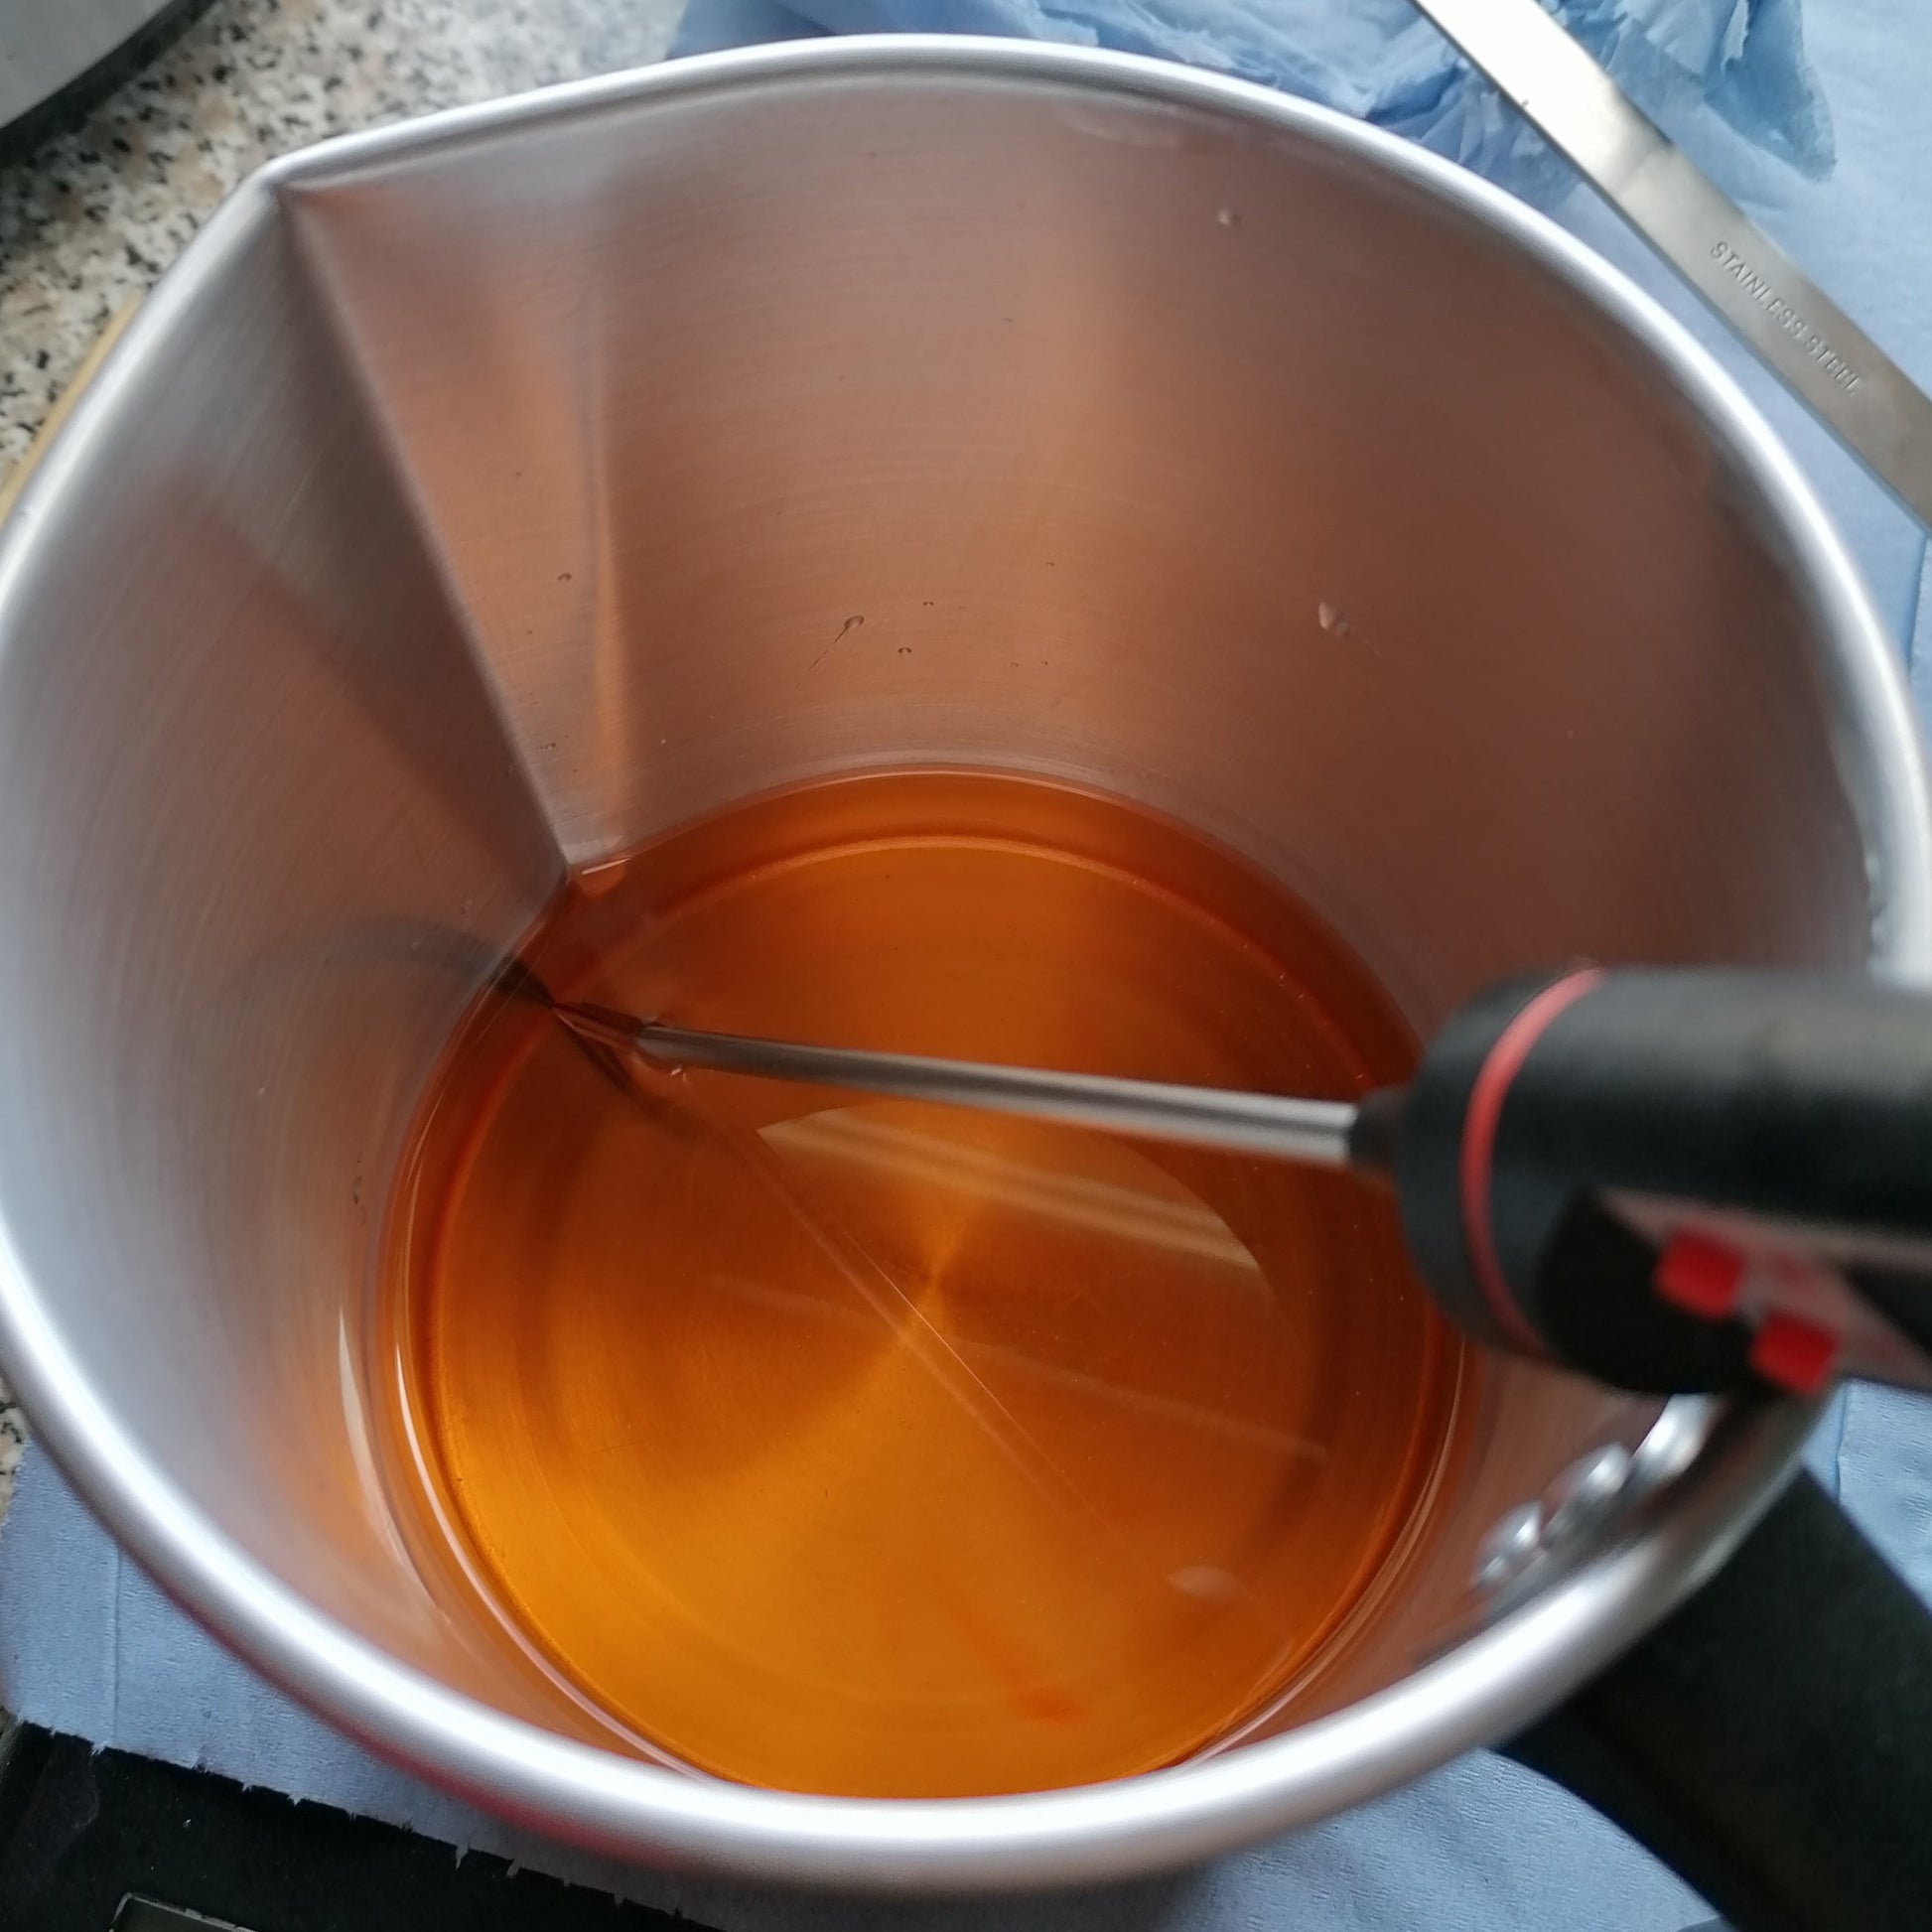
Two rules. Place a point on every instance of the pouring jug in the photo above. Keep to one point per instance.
(480, 497)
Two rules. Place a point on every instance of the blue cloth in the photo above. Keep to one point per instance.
(88, 1646)
(1381, 62)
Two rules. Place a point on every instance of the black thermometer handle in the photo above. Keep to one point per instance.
(1677, 1180)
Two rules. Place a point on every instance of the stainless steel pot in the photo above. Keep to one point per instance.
(482, 495)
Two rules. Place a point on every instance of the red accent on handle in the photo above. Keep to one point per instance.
(1476, 1156)
(1794, 1354)
(1700, 1276)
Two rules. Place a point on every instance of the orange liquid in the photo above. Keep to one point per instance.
(894, 1449)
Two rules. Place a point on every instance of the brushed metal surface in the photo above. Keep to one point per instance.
(488, 493)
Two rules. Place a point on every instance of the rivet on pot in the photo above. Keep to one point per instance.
(1581, 1496)
(1512, 1541)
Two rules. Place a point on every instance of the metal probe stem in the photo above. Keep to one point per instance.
(1313, 1132)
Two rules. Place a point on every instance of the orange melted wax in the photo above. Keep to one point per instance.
(887, 1448)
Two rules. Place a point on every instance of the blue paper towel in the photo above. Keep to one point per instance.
(88, 1646)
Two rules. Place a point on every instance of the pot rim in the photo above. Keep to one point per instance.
(1486, 1686)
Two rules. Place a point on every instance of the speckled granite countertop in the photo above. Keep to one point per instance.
(90, 217)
